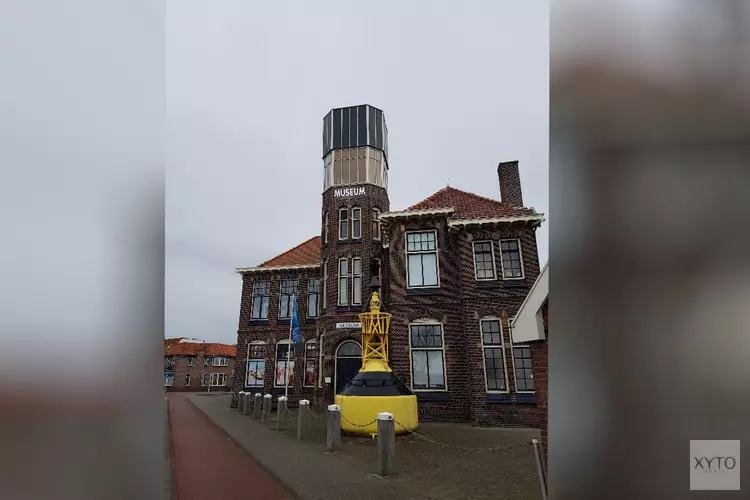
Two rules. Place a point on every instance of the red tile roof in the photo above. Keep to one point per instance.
(307, 252)
(174, 346)
(469, 205)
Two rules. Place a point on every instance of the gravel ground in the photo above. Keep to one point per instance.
(456, 470)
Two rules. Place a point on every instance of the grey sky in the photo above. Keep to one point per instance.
(463, 86)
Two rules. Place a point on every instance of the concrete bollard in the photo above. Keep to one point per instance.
(241, 402)
(386, 443)
(333, 430)
(267, 402)
(303, 417)
(246, 404)
(256, 405)
(281, 413)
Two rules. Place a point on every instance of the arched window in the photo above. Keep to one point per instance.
(256, 364)
(493, 351)
(349, 349)
(427, 355)
(284, 369)
(310, 363)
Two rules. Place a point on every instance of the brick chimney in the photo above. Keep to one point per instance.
(510, 183)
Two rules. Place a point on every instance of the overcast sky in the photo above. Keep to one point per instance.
(463, 87)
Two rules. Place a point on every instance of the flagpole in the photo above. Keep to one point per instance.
(289, 347)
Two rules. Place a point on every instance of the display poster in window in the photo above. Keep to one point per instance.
(255, 372)
(281, 373)
(310, 374)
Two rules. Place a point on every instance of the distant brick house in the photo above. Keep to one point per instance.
(194, 365)
(453, 268)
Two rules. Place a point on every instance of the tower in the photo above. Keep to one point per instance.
(355, 193)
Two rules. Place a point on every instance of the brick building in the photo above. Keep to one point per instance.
(452, 268)
(194, 365)
(530, 327)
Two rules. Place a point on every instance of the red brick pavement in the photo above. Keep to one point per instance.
(209, 465)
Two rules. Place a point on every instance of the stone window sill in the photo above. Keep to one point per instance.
(423, 291)
(432, 396)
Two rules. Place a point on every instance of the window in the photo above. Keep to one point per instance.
(325, 283)
(494, 355)
(220, 361)
(356, 281)
(427, 362)
(421, 263)
(375, 175)
(325, 228)
(327, 172)
(343, 224)
(206, 361)
(190, 361)
(522, 368)
(512, 262)
(356, 223)
(484, 260)
(169, 363)
(313, 297)
(261, 295)
(343, 281)
(187, 380)
(375, 224)
(218, 379)
(284, 373)
(204, 379)
(169, 380)
(310, 358)
(349, 166)
(288, 289)
(256, 364)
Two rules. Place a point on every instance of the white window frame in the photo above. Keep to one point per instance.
(325, 283)
(437, 257)
(291, 297)
(318, 293)
(377, 228)
(354, 280)
(424, 322)
(474, 256)
(358, 210)
(520, 258)
(169, 382)
(252, 301)
(221, 361)
(306, 359)
(513, 345)
(248, 359)
(207, 360)
(494, 346)
(167, 363)
(187, 380)
(325, 227)
(204, 379)
(219, 377)
(276, 362)
(338, 283)
(343, 223)
(190, 361)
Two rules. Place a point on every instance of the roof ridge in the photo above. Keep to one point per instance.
(290, 250)
(451, 188)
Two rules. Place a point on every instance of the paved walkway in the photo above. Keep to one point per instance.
(208, 464)
(304, 466)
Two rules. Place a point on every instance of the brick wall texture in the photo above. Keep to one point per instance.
(182, 367)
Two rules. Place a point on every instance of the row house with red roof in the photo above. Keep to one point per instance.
(453, 270)
(195, 365)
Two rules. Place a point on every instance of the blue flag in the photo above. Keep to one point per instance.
(295, 322)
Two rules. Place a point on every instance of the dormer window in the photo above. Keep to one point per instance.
(220, 361)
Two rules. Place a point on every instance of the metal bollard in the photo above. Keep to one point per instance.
(303, 417)
(267, 402)
(281, 413)
(256, 405)
(386, 443)
(241, 402)
(246, 404)
(540, 467)
(333, 429)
